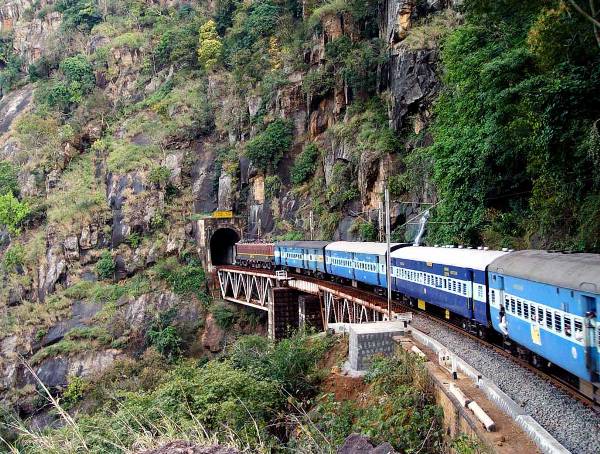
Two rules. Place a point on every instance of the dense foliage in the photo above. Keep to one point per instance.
(400, 410)
(267, 148)
(240, 398)
(516, 132)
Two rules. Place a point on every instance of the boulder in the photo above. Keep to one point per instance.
(212, 337)
(359, 444)
(71, 245)
(187, 447)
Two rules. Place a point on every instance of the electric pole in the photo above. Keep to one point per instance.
(310, 221)
(380, 223)
(388, 258)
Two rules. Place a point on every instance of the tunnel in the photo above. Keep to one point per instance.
(221, 246)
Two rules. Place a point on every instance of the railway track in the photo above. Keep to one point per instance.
(398, 306)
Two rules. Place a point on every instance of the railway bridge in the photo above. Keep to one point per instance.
(298, 301)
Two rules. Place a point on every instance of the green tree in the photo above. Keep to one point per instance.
(8, 178)
(106, 267)
(513, 152)
(267, 148)
(13, 212)
(79, 76)
(78, 14)
(305, 164)
(210, 47)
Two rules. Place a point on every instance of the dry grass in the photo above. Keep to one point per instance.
(429, 33)
(71, 439)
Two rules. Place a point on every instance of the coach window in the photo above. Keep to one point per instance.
(578, 330)
(557, 322)
(541, 315)
(519, 308)
(548, 318)
(533, 309)
(567, 326)
(526, 310)
(512, 305)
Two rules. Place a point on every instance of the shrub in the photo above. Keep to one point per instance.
(159, 175)
(134, 240)
(131, 40)
(267, 148)
(79, 76)
(224, 316)
(8, 178)
(272, 186)
(367, 231)
(79, 14)
(77, 81)
(183, 279)
(209, 49)
(12, 212)
(13, 257)
(106, 267)
(305, 164)
(74, 392)
(165, 337)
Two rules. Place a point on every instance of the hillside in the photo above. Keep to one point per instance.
(123, 122)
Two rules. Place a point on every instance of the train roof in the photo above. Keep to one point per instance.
(364, 247)
(474, 259)
(574, 271)
(304, 244)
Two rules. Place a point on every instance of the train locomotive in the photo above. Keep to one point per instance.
(543, 304)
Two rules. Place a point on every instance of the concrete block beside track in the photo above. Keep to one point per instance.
(369, 339)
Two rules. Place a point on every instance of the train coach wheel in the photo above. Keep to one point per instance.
(481, 332)
(463, 325)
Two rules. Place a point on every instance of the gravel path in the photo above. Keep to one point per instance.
(571, 423)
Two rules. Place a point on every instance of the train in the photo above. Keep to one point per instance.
(543, 304)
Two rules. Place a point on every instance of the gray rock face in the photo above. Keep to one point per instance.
(55, 372)
(71, 245)
(413, 83)
(174, 162)
(203, 175)
(225, 198)
(81, 314)
(53, 270)
(140, 311)
(12, 105)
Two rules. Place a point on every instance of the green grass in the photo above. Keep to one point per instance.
(79, 198)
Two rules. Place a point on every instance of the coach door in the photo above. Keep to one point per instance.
(591, 335)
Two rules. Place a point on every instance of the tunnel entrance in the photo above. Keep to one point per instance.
(221, 246)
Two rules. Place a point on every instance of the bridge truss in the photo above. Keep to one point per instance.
(254, 288)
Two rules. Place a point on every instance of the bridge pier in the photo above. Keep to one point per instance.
(283, 312)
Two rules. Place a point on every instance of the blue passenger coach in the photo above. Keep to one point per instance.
(548, 303)
(304, 255)
(451, 278)
(362, 262)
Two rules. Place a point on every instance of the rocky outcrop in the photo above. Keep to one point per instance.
(359, 444)
(186, 447)
(35, 38)
(213, 335)
(413, 84)
(11, 106)
(53, 269)
(55, 371)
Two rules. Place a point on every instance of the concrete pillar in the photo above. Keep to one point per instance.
(309, 312)
(283, 312)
